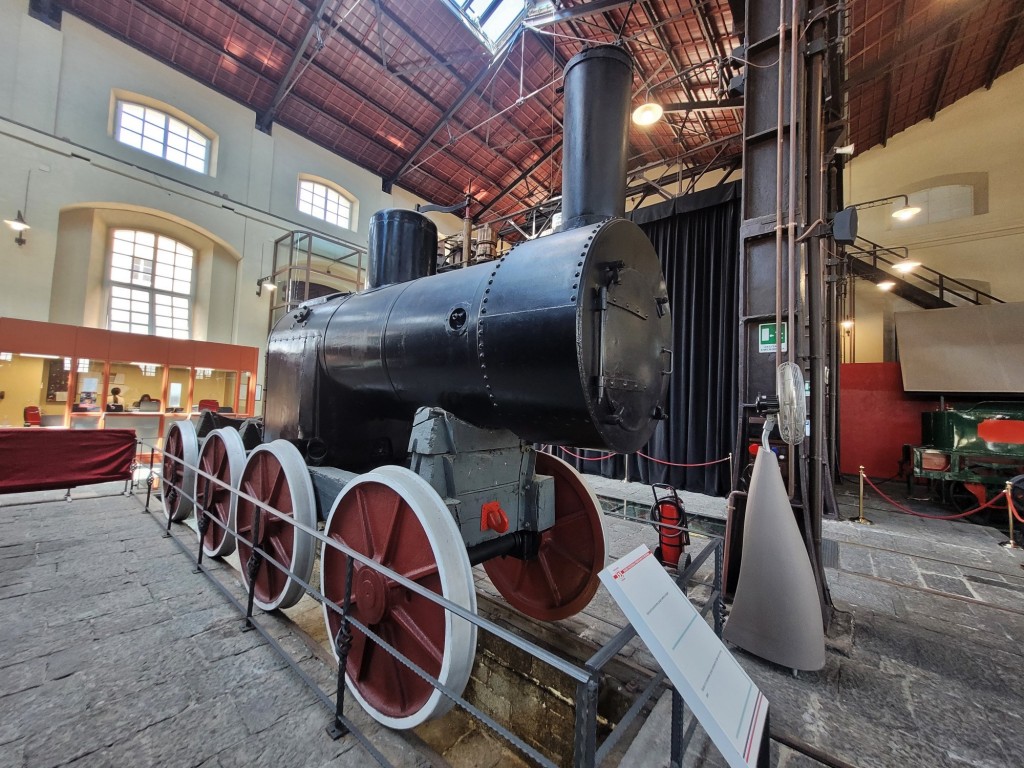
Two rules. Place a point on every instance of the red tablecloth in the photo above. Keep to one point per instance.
(34, 459)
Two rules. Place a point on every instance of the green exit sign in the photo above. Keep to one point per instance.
(766, 338)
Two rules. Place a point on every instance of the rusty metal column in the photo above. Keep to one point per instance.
(768, 187)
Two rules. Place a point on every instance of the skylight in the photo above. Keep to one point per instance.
(491, 20)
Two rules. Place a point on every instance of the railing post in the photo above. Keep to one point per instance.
(719, 591)
(253, 569)
(149, 480)
(343, 644)
(585, 741)
(676, 749)
(860, 503)
(1012, 542)
(203, 524)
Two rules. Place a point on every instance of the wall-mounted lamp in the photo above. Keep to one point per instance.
(845, 225)
(18, 223)
(906, 211)
(265, 282)
(847, 325)
(648, 113)
(905, 266)
(651, 111)
(886, 285)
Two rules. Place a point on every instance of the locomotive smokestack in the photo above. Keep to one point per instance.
(402, 246)
(598, 82)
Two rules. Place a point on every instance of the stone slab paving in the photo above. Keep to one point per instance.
(113, 652)
(924, 651)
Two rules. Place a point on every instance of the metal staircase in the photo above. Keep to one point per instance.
(925, 287)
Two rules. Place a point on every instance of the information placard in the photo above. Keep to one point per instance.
(712, 683)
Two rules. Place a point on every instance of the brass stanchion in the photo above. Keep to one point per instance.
(1012, 542)
(860, 503)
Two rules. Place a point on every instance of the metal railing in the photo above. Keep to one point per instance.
(925, 278)
(586, 753)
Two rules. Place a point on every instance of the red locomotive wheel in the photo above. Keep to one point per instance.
(394, 517)
(562, 579)
(223, 457)
(177, 472)
(276, 474)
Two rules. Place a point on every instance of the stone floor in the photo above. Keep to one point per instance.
(113, 652)
(922, 656)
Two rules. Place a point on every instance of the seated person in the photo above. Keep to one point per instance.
(115, 403)
(146, 403)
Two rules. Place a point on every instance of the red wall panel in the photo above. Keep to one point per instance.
(876, 418)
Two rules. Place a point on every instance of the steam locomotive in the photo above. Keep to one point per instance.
(404, 416)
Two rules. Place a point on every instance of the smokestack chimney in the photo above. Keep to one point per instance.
(598, 83)
(402, 246)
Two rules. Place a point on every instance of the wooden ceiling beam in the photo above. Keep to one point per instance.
(266, 118)
(1005, 36)
(950, 47)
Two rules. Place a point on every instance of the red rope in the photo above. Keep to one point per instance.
(644, 455)
(673, 464)
(1013, 508)
(901, 508)
(586, 458)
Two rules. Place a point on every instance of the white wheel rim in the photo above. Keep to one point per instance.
(300, 487)
(190, 457)
(457, 585)
(235, 451)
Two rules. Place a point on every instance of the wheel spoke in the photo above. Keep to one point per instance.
(413, 631)
(391, 535)
(280, 553)
(419, 573)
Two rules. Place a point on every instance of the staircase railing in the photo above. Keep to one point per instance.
(943, 284)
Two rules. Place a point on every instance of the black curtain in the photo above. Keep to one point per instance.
(697, 240)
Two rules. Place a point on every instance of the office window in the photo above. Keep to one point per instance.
(150, 284)
(325, 202)
(161, 134)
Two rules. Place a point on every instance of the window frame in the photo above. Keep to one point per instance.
(139, 293)
(329, 187)
(119, 99)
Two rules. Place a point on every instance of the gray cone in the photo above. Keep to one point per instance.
(776, 613)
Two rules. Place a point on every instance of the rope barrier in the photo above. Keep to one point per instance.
(674, 464)
(587, 458)
(1013, 508)
(901, 508)
(643, 455)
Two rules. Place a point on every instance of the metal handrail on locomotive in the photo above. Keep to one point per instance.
(404, 416)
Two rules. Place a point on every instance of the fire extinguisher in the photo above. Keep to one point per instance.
(669, 518)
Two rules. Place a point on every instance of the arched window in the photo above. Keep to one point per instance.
(160, 133)
(325, 201)
(150, 284)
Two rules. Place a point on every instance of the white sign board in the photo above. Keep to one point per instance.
(722, 696)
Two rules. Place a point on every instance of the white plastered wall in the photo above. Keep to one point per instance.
(978, 139)
(55, 101)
